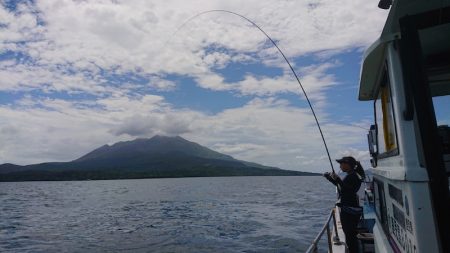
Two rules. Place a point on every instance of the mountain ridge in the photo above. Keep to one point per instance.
(157, 144)
(159, 156)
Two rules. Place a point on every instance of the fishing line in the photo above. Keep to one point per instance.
(358, 126)
(285, 58)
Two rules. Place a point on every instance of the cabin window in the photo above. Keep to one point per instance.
(384, 116)
(438, 76)
(442, 109)
(441, 104)
(380, 203)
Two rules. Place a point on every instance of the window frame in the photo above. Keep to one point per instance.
(380, 204)
(385, 82)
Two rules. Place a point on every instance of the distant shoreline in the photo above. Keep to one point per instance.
(307, 174)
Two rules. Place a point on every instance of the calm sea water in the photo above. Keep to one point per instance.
(234, 214)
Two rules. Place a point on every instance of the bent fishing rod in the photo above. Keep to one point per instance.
(285, 58)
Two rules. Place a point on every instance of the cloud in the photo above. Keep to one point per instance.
(273, 132)
(142, 105)
(26, 77)
(17, 27)
(86, 73)
(79, 46)
(161, 84)
(169, 123)
(217, 60)
(47, 135)
(314, 79)
(132, 35)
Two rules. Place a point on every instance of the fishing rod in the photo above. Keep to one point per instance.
(285, 58)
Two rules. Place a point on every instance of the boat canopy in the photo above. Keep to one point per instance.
(370, 70)
(434, 42)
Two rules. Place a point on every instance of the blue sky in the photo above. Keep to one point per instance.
(75, 75)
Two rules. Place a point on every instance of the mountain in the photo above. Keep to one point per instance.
(158, 145)
(157, 157)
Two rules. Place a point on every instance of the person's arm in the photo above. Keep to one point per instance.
(331, 177)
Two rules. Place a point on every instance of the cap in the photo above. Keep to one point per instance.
(347, 159)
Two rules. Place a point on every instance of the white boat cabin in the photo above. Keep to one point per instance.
(406, 74)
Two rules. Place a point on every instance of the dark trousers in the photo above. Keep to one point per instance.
(349, 224)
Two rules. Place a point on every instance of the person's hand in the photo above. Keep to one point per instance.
(333, 175)
(330, 176)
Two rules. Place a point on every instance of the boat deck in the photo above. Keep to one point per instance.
(365, 236)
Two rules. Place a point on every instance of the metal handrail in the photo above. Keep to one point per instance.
(326, 227)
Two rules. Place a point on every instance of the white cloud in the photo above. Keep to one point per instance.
(314, 79)
(78, 47)
(143, 105)
(25, 77)
(130, 35)
(217, 59)
(161, 84)
(18, 28)
(274, 133)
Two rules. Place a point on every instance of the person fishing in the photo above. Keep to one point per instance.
(348, 187)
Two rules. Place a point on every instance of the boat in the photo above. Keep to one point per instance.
(406, 75)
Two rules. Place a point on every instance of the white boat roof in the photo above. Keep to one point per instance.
(374, 55)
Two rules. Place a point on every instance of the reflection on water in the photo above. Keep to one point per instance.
(235, 214)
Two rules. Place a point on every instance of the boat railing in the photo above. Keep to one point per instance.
(313, 248)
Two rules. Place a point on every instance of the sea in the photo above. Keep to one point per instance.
(221, 214)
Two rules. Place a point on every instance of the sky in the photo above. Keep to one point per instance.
(75, 75)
